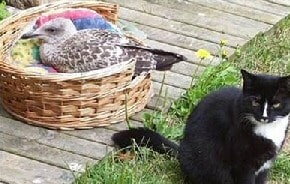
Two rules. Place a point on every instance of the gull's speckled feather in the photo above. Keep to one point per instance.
(68, 50)
(93, 49)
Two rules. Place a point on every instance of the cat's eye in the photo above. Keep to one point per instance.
(255, 103)
(276, 105)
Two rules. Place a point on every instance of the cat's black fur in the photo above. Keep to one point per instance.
(219, 144)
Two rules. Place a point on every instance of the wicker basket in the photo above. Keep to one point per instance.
(22, 4)
(73, 100)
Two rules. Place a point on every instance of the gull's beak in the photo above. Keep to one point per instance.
(30, 34)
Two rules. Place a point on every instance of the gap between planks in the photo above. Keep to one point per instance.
(262, 5)
(233, 25)
(239, 10)
(192, 6)
(178, 27)
(42, 153)
(280, 2)
(55, 139)
(181, 41)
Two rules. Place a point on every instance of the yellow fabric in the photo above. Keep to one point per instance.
(36, 70)
(22, 52)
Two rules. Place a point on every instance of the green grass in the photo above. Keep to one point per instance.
(147, 167)
(268, 53)
(3, 12)
(265, 53)
(281, 170)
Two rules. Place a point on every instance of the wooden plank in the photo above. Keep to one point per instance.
(167, 90)
(239, 10)
(264, 6)
(180, 40)
(287, 143)
(178, 27)
(188, 69)
(101, 135)
(201, 17)
(170, 79)
(31, 149)
(159, 103)
(124, 126)
(20, 170)
(54, 139)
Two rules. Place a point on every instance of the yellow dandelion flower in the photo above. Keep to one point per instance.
(203, 54)
(225, 54)
(223, 42)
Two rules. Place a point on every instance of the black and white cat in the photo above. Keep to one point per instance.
(232, 137)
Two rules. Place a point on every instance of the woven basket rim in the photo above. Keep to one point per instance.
(45, 6)
(7, 65)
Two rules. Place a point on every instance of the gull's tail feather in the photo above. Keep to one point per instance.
(145, 138)
(164, 59)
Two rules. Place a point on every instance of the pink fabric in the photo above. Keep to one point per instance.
(72, 14)
(47, 68)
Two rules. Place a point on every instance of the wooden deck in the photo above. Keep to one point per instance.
(33, 155)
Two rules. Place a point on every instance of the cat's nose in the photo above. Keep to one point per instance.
(264, 119)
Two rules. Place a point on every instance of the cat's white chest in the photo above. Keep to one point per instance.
(274, 131)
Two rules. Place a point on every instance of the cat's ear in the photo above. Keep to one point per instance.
(247, 79)
(284, 83)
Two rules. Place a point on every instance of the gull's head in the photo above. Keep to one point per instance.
(54, 31)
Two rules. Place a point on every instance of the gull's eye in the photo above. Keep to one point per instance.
(276, 105)
(50, 30)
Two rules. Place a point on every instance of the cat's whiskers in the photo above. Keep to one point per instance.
(251, 119)
(247, 116)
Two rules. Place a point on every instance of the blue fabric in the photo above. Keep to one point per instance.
(91, 23)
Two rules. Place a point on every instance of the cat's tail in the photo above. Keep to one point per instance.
(144, 137)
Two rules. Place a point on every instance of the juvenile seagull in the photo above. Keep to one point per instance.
(69, 50)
